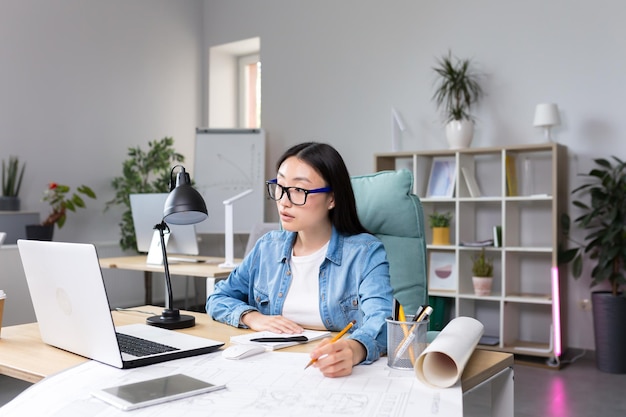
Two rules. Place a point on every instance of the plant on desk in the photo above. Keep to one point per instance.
(142, 172)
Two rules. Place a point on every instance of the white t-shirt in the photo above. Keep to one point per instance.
(302, 303)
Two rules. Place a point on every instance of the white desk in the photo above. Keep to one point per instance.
(24, 355)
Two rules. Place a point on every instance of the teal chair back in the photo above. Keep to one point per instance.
(388, 208)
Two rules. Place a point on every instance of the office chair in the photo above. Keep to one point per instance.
(387, 208)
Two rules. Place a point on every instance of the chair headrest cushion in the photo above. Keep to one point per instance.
(385, 203)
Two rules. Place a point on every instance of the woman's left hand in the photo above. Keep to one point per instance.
(337, 359)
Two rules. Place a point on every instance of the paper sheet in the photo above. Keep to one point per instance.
(272, 384)
(442, 362)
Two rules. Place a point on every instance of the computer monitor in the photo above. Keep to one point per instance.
(147, 211)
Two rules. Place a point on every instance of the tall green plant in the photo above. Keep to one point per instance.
(604, 219)
(12, 177)
(142, 172)
(457, 87)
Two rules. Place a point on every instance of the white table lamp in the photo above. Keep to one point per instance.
(546, 116)
(229, 229)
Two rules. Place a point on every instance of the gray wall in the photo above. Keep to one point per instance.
(332, 71)
(83, 80)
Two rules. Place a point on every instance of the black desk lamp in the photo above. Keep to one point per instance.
(184, 205)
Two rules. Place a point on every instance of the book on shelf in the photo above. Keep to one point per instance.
(282, 340)
(511, 176)
(481, 243)
(497, 236)
(471, 183)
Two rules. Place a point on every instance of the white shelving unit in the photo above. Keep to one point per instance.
(523, 312)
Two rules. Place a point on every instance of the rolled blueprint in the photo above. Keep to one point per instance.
(442, 362)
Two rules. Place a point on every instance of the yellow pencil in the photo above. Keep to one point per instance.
(405, 330)
(334, 339)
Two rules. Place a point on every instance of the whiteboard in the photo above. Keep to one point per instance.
(227, 163)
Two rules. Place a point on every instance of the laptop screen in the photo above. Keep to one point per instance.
(147, 211)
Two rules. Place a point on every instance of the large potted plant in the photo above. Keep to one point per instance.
(457, 89)
(12, 177)
(142, 172)
(602, 202)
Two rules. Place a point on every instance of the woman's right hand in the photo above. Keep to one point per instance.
(277, 324)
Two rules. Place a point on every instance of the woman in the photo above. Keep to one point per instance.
(321, 271)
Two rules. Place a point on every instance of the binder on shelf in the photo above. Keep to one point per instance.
(511, 176)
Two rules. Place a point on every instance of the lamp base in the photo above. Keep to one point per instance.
(172, 319)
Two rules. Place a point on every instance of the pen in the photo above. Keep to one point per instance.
(396, 310)
(422, 313)
(418, 313)
(334, 339)
(280, 339)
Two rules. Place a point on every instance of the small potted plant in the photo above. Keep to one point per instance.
(482, 273)
(11, 182)
(457, 90)
(440, 223)
(57, 196)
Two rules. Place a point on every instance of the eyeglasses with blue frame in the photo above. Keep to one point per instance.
(296, 195)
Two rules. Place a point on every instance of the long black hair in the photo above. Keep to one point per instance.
(330, 165)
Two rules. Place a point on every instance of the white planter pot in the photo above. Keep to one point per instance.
(460, 133)
(482, 285)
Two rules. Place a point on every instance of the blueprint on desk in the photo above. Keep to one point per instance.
(270, 384)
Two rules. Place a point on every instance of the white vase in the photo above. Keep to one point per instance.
(459, 133)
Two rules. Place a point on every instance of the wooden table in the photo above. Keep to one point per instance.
(206, 267)
(24, 356)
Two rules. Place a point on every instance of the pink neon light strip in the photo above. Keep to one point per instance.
(556, 311)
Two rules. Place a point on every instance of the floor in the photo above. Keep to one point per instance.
(578, 389)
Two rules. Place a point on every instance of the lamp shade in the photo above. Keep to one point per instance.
(547, 114)
(184, 205)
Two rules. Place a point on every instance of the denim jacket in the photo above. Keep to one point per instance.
(353, 282)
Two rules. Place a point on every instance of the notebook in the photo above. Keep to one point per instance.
(282, 340)
(147, 211)
(72, 309)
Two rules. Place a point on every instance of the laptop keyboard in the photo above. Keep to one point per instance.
(141, 347)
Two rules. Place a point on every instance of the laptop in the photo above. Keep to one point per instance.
(72, 309)
(147, 211)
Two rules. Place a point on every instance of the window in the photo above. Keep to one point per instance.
(234, 99)
(250, 91)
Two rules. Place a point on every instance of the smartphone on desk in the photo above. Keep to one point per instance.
(154, 391)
